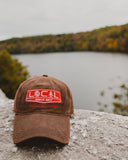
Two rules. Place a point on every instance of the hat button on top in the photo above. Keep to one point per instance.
(45, 75)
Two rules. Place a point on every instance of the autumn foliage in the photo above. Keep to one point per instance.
(109, 39)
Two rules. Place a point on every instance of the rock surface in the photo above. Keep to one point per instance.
(94, 136)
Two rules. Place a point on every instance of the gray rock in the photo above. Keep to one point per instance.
(93, 136)
(14, 149)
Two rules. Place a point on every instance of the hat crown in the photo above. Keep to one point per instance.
(43, 94)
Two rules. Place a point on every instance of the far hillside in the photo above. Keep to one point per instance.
(108, 39)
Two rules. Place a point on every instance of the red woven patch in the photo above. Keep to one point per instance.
(43, 96)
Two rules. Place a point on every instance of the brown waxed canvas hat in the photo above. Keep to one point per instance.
(42, 107)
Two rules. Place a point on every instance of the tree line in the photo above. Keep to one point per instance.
(108, 39)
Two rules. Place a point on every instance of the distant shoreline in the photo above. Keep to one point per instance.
(108, 39)
(45, 53)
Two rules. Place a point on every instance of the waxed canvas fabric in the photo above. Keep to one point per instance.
(50, 120)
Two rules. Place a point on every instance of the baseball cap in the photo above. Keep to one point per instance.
(42, 107)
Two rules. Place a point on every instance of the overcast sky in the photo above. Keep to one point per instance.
(34, 17)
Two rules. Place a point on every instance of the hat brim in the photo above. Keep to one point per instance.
(56, 127)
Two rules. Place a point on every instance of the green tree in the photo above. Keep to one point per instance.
(12, 73)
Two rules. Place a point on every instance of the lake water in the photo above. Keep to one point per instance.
(86, 73)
